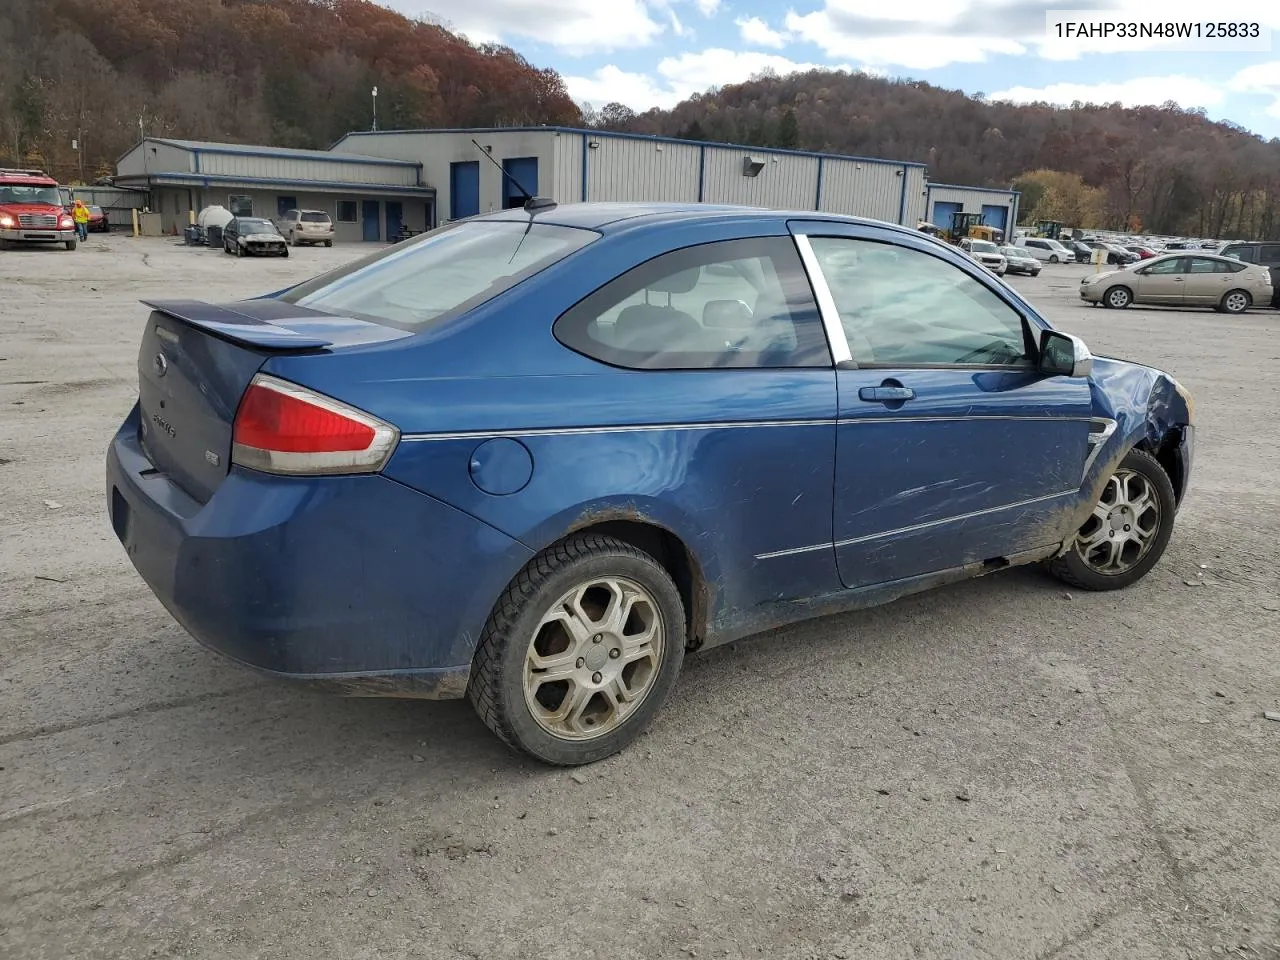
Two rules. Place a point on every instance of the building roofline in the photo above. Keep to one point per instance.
(284, 153)
(956, 186)
(174, 178)
(650, 138)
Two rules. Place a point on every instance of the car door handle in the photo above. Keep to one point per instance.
(884, 394)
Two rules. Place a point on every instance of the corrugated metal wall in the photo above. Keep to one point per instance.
(267, 167)
(568, 169)
(151, 157)
(862, 189)
(623, 169)
(786, 181)
(437, 151)
(917, 191)
(971, 199)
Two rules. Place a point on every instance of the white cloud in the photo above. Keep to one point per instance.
(756, 32)
(928, 34)
(680, 77)
(1139, 91)
(708, 7)
(576, 26)
(1261, 79)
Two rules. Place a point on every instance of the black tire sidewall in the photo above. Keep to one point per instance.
(1081, 573)
(528, 735)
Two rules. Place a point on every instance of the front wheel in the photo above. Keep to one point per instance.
(580, 651)
(72, 244)
(1127, 531)
(1117, 298)
(1236, 301)
(1053, 258)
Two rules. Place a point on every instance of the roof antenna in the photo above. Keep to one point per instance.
(532, 204)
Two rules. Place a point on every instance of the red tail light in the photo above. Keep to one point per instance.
(283, 428)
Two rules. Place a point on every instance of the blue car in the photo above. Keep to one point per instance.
(534, 457)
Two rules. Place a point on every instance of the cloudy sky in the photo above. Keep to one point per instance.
(648, 53)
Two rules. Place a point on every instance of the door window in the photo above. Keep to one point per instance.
(240, 205)
(733, 304)
(1203, 265)
(1164, 267)
(902, 307)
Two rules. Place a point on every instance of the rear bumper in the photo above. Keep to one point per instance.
(32, 235)
(357, 585)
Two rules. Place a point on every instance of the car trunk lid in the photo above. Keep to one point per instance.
(195, 363)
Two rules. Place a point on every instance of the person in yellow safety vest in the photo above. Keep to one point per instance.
(80, 213)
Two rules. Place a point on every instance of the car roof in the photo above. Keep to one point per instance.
(607, 217)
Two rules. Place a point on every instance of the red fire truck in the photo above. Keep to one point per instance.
(31, 209)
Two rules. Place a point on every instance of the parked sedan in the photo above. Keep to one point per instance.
(253, 236)
(1204, 280)
(1114, 254)
(1079, 250)
(1144, 252)
(535, 456)
(1018, 260)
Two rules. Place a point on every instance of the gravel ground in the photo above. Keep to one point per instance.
(1002, 769)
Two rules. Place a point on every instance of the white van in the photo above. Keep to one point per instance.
(1048, 250)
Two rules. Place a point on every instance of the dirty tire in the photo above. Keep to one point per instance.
(1117, 298)
(1235, 301)
(496, 688)
(1071, 567)
(328, 243)
(72, 244)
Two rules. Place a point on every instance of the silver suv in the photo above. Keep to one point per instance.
(306, 226)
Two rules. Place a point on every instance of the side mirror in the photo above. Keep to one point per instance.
(1062, 355)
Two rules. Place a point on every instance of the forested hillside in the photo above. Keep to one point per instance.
(1164, 169)
(300, 72)
(284, 72)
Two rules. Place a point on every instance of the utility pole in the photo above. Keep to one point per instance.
(375, 108)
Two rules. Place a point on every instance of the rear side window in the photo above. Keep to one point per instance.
(1269, 253)
(728, 305)
(441, 274)
(1247, 254)
(314, 217)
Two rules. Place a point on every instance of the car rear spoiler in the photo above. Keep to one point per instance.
(270, 333)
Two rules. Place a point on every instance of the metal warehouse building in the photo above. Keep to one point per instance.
(368, 197)
(571, 165)
(998, 207)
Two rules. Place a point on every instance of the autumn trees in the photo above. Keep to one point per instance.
(285, 72)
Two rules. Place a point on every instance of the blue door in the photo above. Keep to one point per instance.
(995, 216)
(950, 449)
(370, 215)
(942, 213)
(524, 170)
(395, 220)
(464, 189)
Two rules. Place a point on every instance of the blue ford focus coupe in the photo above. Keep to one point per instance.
(534, 457)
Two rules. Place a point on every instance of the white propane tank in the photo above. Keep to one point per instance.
(215, 216)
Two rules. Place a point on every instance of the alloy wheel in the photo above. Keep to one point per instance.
(593, 658)
(1123, 525)
(1236, 302)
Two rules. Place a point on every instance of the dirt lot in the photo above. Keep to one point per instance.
(1001, 769)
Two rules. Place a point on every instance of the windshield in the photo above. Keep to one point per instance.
(442, 273)
(981, 246)
(11, 193)
(247, 226)
(1015, 252)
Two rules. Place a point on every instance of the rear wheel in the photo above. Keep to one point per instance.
(1117, 298)
(328, 243)
(1236, 301)
(580, 651)
(1053, 258)
(1127, 532)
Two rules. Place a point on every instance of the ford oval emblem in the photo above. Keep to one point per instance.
(161, 365)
